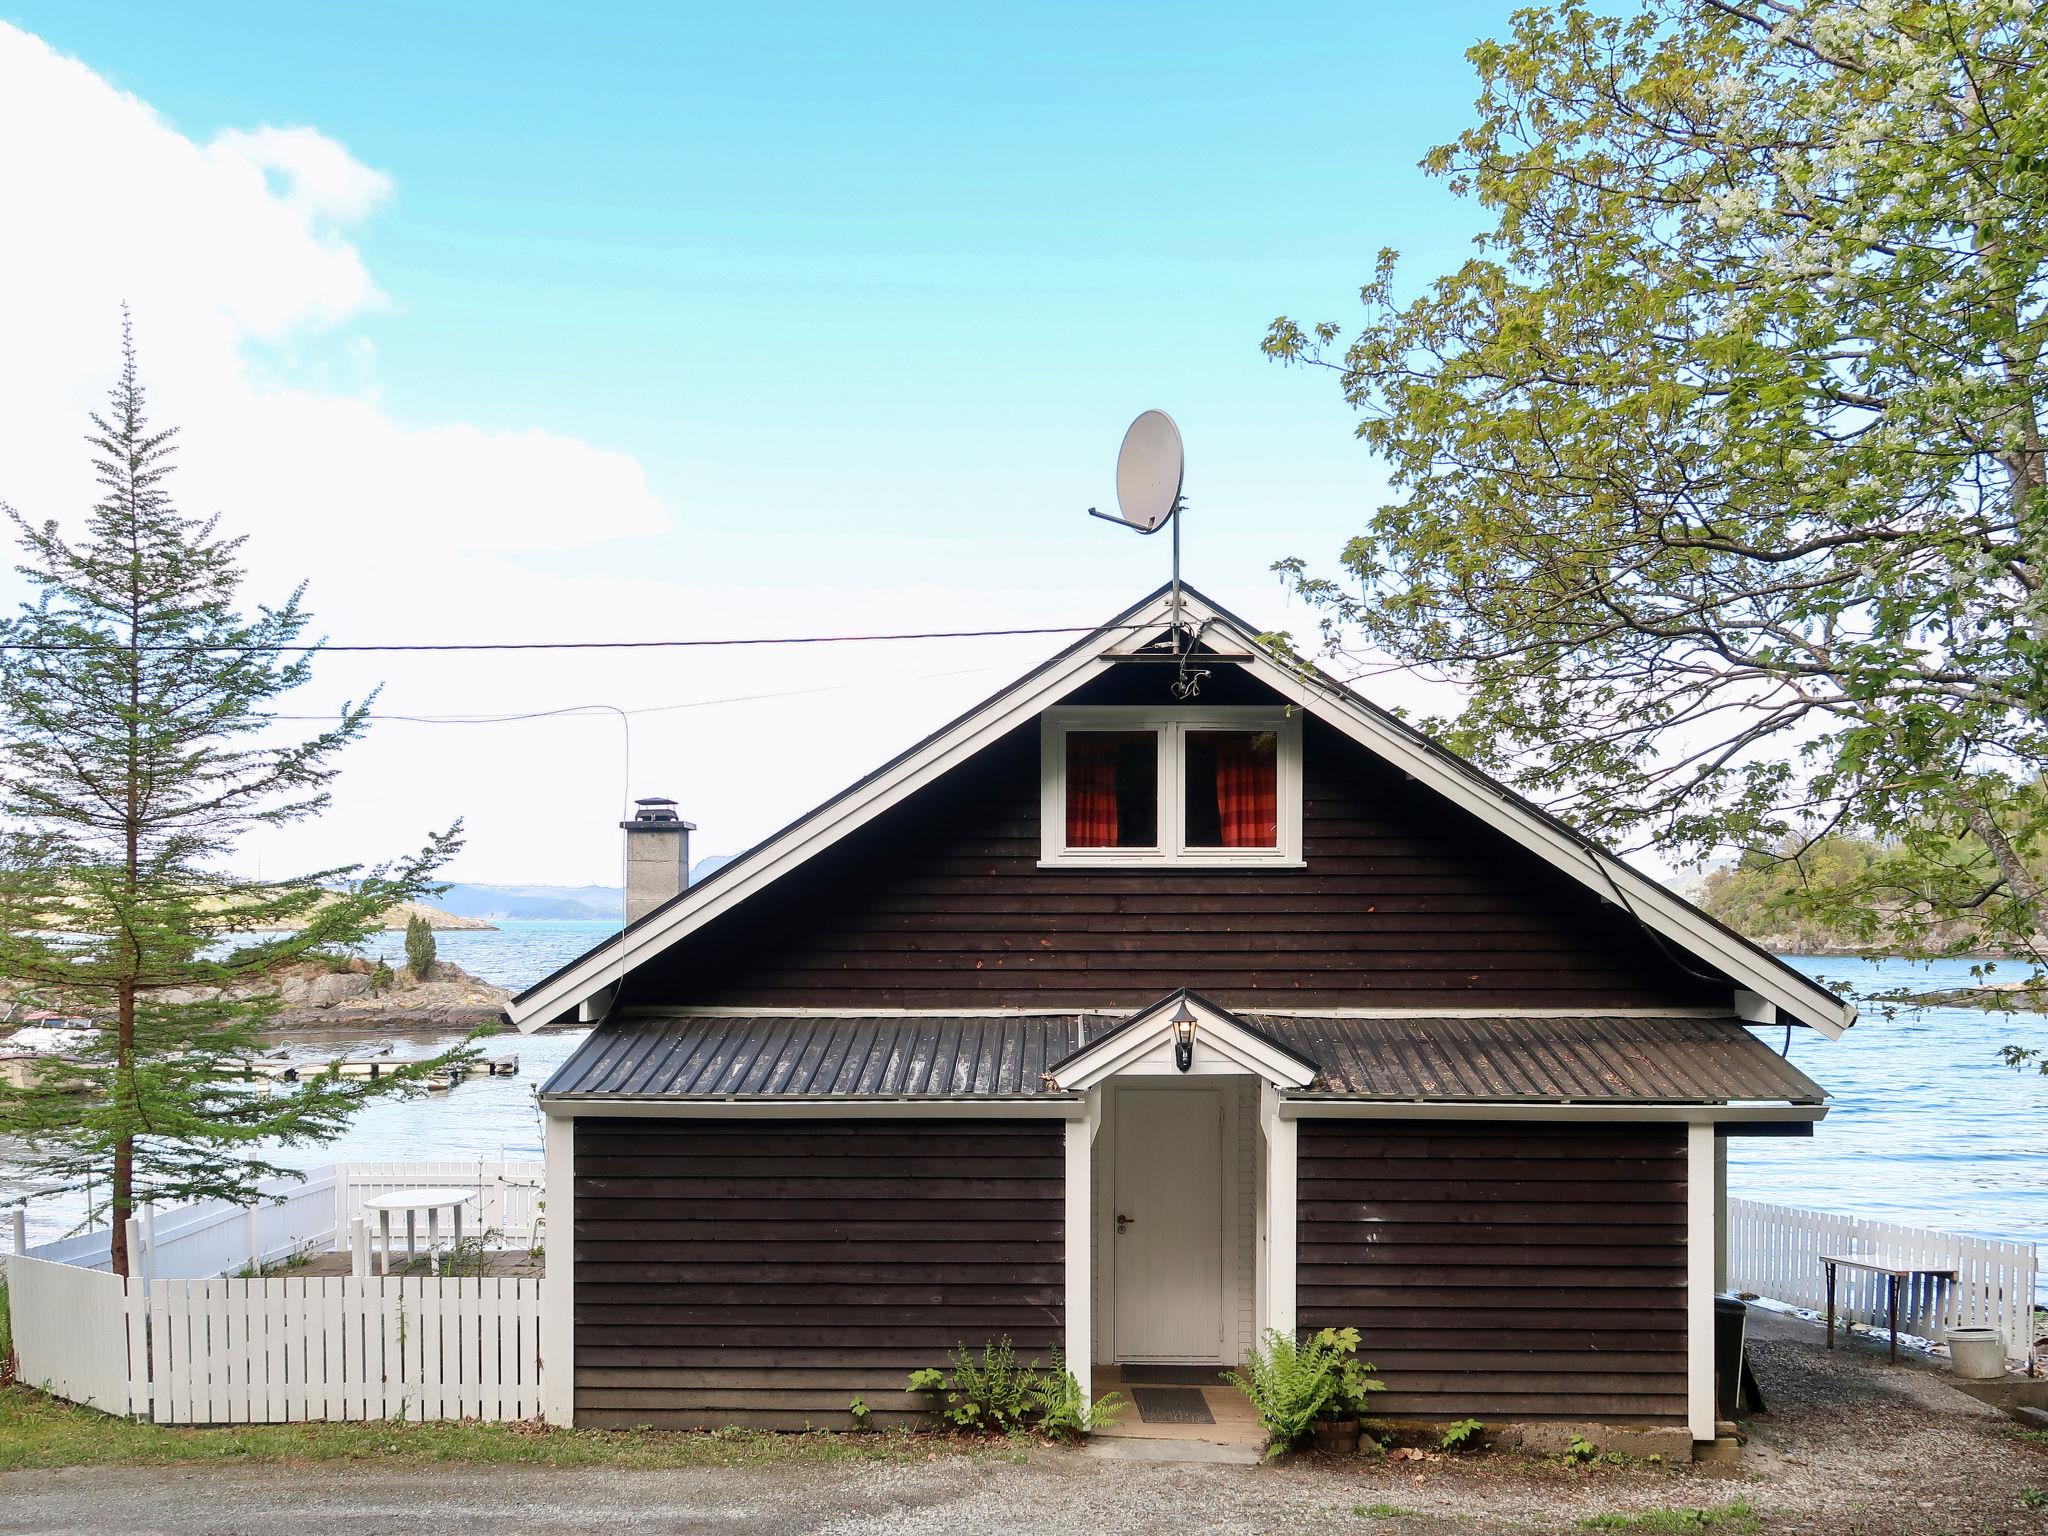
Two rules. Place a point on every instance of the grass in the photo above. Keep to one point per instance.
(1383, 1511)
(39, 1431)
(1737, 1517)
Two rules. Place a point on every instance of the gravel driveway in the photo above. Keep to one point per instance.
(1853, 1446)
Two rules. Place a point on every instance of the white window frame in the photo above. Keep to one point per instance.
(1169, 724)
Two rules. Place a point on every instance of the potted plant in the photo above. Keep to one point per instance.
(1337, 1427)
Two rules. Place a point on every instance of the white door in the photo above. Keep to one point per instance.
(1169, 1224)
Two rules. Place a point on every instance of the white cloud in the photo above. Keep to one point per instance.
(405, 530)
(322, 180)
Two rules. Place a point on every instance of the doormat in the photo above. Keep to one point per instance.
(1171, 1405)
(1171, 1375)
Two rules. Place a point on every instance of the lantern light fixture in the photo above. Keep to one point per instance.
(1183, 1022)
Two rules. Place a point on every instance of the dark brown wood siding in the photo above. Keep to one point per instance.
(1405, 902)
(1501, 1272)
(764, 1273)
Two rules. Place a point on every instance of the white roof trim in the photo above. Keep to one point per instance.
(1663, 912)
(1221, 1043)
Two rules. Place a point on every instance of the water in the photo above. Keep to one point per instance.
(1926, 1125)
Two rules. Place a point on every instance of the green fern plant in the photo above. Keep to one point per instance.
(989, 1391)
(1290, 1384)
(1059, 1409)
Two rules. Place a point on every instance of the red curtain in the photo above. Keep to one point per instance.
(1247, 790)
(1091, 789)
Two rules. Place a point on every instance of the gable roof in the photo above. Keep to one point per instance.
(1682, 930)
(1218, 1033)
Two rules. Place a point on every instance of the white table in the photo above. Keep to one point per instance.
(412, 1202)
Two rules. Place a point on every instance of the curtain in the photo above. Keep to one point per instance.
(1091, 789)
(1248, 789)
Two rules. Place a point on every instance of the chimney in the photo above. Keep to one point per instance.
(657, 855)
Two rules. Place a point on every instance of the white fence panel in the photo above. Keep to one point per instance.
(309, 1214)
(213, 1237)
(71, 1331)
(272, 1351)
(507, 1195)
(1776, 1251)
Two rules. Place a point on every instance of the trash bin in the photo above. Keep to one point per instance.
(1731, 1338)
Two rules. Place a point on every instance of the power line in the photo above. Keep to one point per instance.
(592, 645)
(643, 709)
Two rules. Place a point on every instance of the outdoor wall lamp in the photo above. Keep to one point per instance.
(1183, 1023)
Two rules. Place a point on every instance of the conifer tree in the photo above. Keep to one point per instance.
(137, 745)
(419, 948)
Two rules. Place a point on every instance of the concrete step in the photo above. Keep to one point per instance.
(1131, 1448)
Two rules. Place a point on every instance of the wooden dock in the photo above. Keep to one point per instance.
(282, 1069)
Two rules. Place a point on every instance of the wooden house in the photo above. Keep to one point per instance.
(1138, 1026)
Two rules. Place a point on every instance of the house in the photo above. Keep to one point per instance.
(1136, 1027)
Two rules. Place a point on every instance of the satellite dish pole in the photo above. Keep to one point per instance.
(1149, 471)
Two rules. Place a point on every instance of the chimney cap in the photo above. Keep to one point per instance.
(657, 813)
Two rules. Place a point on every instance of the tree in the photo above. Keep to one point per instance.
(419, 947)
(1719, 475)
(136, 747)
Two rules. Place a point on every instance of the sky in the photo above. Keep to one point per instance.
(529, 322)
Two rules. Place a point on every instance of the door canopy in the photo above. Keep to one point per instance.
(1183, 1033)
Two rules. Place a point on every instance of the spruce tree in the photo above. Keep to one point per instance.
(419, 947)
(137, 745)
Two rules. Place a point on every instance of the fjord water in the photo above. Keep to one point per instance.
(1926, 1126)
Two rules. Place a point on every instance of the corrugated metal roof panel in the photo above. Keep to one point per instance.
(912, 1055)
(1673, 1060)
(1617, 1059)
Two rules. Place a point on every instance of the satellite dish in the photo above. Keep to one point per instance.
(1148, 472)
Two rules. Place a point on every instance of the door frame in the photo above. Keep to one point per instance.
(1231, 1225)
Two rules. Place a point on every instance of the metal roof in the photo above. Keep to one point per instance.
(911, 1055)
(1602, 1059)
(1673, 1060)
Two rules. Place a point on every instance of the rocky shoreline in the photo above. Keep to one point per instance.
(347, 995)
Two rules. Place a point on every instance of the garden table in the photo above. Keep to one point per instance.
(1892, 1279)
(412, 1202)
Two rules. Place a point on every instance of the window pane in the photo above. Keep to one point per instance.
(1112, 789)
(1233, 785)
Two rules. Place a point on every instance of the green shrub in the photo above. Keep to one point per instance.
(419, 948)
(1579, 1450)
(991, 1391)
(1462, 1435)
(987, 1391)
(382, 978)
(1294, 1385)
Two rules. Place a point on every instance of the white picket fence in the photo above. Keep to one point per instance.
(71, 1332)
(1776, 1251)
(220, 1351)
(311, 1214)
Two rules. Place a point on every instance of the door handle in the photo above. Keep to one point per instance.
(1123, 1221)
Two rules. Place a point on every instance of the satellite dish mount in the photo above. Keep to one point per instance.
(1149, 470)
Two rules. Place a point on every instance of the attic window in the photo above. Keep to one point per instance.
(1137, 786)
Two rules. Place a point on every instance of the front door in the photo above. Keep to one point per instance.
(1169, 1224)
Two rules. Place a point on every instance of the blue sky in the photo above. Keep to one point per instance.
(868, 294)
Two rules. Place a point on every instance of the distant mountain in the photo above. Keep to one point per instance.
(599, 902)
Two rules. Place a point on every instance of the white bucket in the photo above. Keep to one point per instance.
(1976, 1354)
